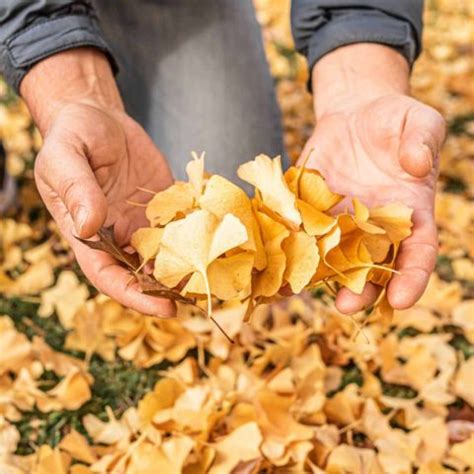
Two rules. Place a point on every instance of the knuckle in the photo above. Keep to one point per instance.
(66, 189)
(41, 164)
(438, 121)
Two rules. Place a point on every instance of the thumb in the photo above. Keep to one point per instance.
(68, 186)
(422, 137)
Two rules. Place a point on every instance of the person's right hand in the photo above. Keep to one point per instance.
(94, 159)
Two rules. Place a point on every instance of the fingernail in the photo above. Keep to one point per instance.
(80, 218)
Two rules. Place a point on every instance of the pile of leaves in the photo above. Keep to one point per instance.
(87, 386)
(209, 239)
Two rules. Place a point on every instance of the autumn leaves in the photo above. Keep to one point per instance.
(209, 240)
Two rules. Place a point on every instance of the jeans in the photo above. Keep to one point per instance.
(193, 73)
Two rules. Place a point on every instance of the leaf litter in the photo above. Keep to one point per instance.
(304, 388)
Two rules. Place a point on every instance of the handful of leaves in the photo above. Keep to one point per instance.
(210, 240)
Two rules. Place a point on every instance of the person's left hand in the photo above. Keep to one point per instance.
(382, 150)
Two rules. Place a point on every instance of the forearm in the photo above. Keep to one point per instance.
(323, 26)
(81, 75)
(355, 74)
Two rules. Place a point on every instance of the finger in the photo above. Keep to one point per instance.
(115, 281)
(67, 175)
(106, 274)
(348, 302)
(422, 137)
(415, 262)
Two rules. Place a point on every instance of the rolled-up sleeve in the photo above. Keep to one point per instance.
(31, 30)
(320, 26)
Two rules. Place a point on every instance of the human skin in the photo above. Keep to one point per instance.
(374, 142)
(93, 160)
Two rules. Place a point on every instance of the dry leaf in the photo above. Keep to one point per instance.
(66, 297)
(174, 201)
(267, 176)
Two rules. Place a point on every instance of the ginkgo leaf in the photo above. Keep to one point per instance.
(315, 222)
(311, 187)
(240, 445)
(166, 205)
(378, 246)
(395, 219)
(77, 446)
(302, 258)
(192, 243)
(325, 245)
(222, 197)
(267, 176)
(195, 172)
(361, 218)
(66, 297)
(73, 391)
(146, 241)
(354, 279)
(229, 278)
(269, 280)
(51, 460)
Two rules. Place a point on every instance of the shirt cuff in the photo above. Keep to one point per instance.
(362, 27)
(45, 38)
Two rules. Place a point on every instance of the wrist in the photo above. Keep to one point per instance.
(356, 74)
(81, 75)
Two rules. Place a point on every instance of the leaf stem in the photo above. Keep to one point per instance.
(209, 308)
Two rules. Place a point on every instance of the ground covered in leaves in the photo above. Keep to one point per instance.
(87, 386)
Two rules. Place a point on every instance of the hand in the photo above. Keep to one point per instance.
(93, 160)
(374, 142)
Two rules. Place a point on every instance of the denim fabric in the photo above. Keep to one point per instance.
(194, 74)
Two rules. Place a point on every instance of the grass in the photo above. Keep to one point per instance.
(118, 384)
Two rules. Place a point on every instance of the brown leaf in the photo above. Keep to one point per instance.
(153, 287)
(106, 243)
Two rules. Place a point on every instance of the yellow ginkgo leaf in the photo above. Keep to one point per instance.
(353, 279)
(351, 262)
(73, 390)
(66, 297)
(463, 381)
(51, 460)
(163, 396)
(146, 241)
(315, 222)
(222, 197)
(229, 277)
(77, 446)
(195, 172)
(325, 245)
(312, 188)
(268, 281)
(361, 217)
(192, 243)
(302, 258)
(463, 451)
(267, 176)
(395, 219)
(239, 446)
(378, 246)
(170, 203)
